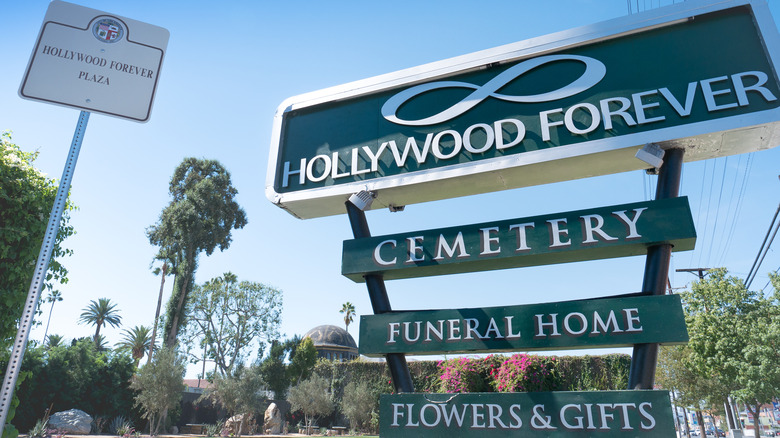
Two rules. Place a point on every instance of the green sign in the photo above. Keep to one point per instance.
(536, 414)
(570, 105)
(599, 323)
(606, 232)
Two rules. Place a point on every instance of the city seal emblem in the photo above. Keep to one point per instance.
(108, 30)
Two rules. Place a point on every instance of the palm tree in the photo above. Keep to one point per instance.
(137, 341)
(349, 312)
(100, 313)
(53, 340)
(162, 272)
(52, 298)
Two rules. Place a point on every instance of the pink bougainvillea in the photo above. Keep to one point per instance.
(524, 373)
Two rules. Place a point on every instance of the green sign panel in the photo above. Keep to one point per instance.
(606, 232)
(599, 323)
(536, 414)
(570, 105)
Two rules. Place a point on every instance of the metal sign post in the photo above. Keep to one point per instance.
(399, 370)
(39, 276)
(644, 358)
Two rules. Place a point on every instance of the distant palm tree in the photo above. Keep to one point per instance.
(53, 340)
(100, 313)
(136, 341)
(52, 298)
(101, 344)
(349, 312)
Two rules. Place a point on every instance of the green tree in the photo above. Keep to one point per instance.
(227, 316)
(77, 376)
(273, 370)
(302, 360)
(100, 313)
(312, 397)
(136, 341)
(200, 218)
(26, 199)
(734, 339)
(53, 340)
(53, 297)
(349, 312)
(162, 271)
(358, 403)
(160, 386)
(237, 393)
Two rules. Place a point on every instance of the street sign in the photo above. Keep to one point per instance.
(95, 61)
(646, 413)
(569, 105)
(605, 232)
(600, 323)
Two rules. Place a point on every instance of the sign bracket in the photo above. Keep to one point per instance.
(377, 293)
(645, 356)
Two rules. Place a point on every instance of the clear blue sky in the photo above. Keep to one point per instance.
(228, 67)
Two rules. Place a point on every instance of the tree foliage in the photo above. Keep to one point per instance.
(358, 403)
(311, 396)
(26, 199)
(238, 392)
(734, 339)
(226, 316)
(99, 313)
(200, 218)
(160, 386)
(136, 341)
(75, 376)
(348, 309)
(302, 361)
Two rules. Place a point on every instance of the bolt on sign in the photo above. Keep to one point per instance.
(605, 232)
(569, 105)
(600, 323)
(95, 61)
(645, 413)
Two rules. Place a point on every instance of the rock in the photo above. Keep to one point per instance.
(232, 423)
(74, 422)
(272, 421)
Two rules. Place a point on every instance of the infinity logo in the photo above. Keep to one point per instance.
(594, 72)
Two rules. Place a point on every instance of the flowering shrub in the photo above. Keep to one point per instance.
(524, 373)
(461, 375)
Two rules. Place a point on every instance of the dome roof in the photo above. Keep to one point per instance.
(329, 336)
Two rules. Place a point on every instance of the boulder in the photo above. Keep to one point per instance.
(73, 422)
(272, 422)
(232, 424)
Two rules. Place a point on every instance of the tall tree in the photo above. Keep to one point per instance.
(53, 297)
(349, 312)
(136, 341)
(200, 218)
(227, 316)
(26, 199)
(100, 313)
(162, 271)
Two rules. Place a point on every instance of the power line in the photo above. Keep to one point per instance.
(763, 249)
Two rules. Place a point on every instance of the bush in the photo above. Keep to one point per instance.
(358, 403)
(75, 376)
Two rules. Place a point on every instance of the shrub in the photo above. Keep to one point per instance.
(525, 373)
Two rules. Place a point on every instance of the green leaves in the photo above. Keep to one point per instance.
(26, 198)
